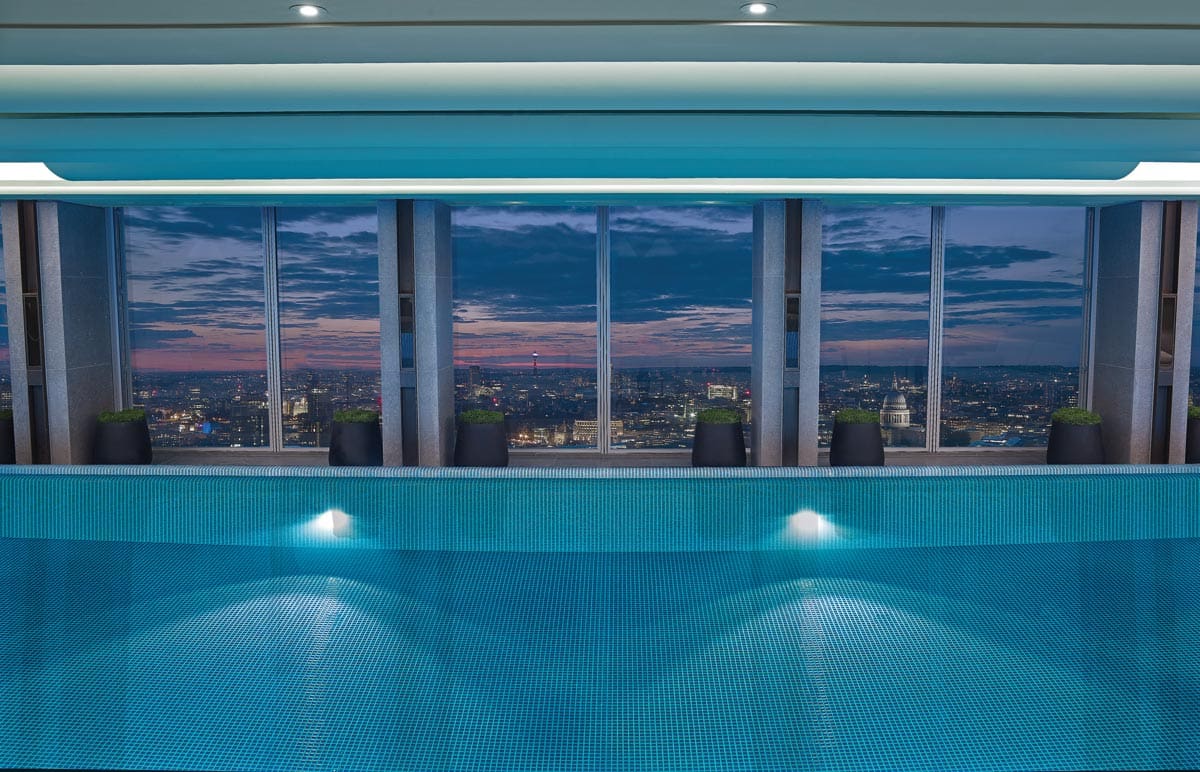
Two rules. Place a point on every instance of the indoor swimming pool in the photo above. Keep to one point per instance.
(754, 619)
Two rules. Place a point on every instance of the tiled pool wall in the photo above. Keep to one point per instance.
(600, 510)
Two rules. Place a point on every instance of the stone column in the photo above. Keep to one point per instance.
(769, 334)
(77, 323)
(1126, 335)
(434, 343)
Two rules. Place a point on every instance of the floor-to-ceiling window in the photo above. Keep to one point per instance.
(1011, 307)
(528, 325)
(194, 278)
(328, 317)
(1013, 322)
(875, 273)
(201, 322)
(680, 336)
(525, 321)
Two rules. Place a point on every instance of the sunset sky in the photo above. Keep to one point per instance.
(195, 279)
(525, 281)
(1013, 286)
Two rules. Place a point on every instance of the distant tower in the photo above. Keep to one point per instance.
(535, 361)
(895, 413)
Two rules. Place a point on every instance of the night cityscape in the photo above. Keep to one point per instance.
(651, 407)
(229, 410)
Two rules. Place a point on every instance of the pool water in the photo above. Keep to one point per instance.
(1064, 655)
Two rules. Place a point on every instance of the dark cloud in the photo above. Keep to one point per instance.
(202, 269)
(152, 337)
(1021, 299)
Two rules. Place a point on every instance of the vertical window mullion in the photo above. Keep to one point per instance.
(937, 287)
(603, 347)
(271, 299)
(1087, 349)
(119, 302)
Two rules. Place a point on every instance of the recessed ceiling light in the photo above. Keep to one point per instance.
(757, 9)
(309, 11)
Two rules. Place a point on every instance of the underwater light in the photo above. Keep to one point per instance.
(334, 522)
(807, 525)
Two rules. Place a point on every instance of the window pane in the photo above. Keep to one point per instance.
(875, 318)
(525, 320)
(5, 368)
(1013, 322)
(680, 335)
(196, 326)
(328, 317)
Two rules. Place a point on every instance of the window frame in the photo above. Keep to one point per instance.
(272, 329)
(603, 447)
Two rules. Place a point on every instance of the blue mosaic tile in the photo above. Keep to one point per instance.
(1053, 656)
(578, 622)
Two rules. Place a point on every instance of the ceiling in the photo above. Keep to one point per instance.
(143, 90)
(252, 31)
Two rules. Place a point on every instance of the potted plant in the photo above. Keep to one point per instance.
(481, 440)
(355, 439)
(857, 440)
(8, 450)
(719, 440)
(122, 437)
(1193, 435)
(1074, 437)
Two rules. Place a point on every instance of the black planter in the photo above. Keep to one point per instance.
(8, 451)
(355, 444)
(1193, 441)
(481, 445)
(121, 443)
(856, 445)
(1072, 444)
(719, 445)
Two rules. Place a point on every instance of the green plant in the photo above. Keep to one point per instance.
(719, 415)
(355, 416)
(854, 415)
(1193, 411)
(5, 415)
(1075, 416)
(128, 416)
(480, 417)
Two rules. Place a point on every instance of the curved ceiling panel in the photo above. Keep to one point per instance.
(601, 87)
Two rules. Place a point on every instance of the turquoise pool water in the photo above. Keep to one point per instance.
(975, 619)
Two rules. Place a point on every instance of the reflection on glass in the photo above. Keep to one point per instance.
(196, 324)
(680, 332)
(1013, 322)
(875, 318)
(328, 317)
(525, 321)
(5, 368)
